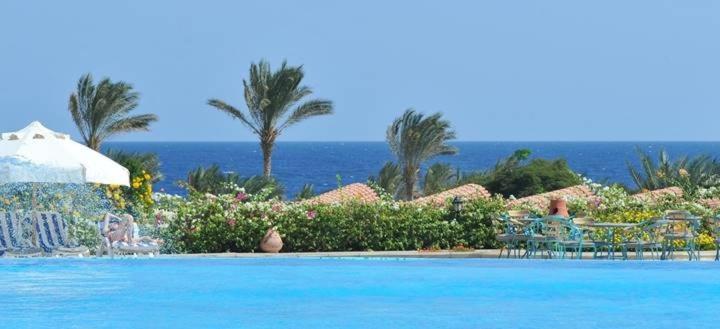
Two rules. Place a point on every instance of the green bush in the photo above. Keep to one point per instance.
(535, 177)
(206, 224)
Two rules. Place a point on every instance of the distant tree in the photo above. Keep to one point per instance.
(103, 110)
(306, 192)
(149, 162)
(414, 139)
(689, 173)
(389, 178)
(517, 176)
(213, 180)
(273, 101)
(440, 177)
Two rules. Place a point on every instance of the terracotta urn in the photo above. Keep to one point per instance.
(558, 207)
(271, 242)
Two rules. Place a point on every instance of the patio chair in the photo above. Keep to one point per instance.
(554, 235)
(16, 237)
(589, 235)
(512, 234)
(648, 235)
(716, 233)
(681, 229)
(52, 235)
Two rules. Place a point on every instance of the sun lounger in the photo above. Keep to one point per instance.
(52, 235)
(133, 246)
(16, 236)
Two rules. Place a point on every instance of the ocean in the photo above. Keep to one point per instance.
(321, 163)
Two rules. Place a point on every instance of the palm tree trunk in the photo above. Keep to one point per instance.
(267, 147)
(409, 177)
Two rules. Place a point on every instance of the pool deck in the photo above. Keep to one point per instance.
(707, 255)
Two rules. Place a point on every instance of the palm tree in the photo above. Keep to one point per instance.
(440, 177)
(685, 172)
(273, 102)
(415, 139)
(389, 178)
(102, 110)
(213, 180)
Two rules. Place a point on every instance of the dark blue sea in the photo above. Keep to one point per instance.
(319, 163)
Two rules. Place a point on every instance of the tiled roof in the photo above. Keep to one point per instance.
(657, 195)
(713, 203)
(543, 200)
(353, 192)
(466, 192)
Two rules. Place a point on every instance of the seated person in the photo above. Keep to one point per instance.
(117, 228)
(124, 229)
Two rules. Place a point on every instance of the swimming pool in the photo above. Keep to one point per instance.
(356, 293)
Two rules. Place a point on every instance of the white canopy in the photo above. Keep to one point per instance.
(37, 154)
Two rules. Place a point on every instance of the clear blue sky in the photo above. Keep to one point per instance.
(499, 70)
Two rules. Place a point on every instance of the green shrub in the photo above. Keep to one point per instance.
(206, 224)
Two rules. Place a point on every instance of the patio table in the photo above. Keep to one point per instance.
(611, 231)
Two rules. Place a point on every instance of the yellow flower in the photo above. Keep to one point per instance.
(683, 172)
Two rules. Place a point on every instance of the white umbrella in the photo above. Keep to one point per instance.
(36, 154)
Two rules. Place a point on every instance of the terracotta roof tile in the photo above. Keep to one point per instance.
(352, 192)
(543, 200)
(713, 203)
(466, 192)
(657, 195)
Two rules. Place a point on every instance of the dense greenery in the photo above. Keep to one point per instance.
(518, 177)
(103, 110)
(273, 101)
(415, 138)
(144, 171)
(214, 181)
(205, 224)
(689, 173)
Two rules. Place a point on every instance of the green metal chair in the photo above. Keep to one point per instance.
(590, 239)
(716, 233)
(554, 235)
(681, 230)
(648, 235)
(513, 232)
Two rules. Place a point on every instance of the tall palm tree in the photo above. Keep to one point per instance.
(415, 139)
(103, 110)
(273, 99)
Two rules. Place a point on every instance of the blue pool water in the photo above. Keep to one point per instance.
(357, 293)
(318, 163)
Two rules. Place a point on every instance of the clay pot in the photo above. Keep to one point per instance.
(558, 207)
(271, 242)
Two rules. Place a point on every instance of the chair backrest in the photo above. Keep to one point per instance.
(51, 230)
(558, 227)
(518, 214)
(8, 230)
(681, 222)
(583, 221)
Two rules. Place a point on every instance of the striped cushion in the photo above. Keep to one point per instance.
(8, 225)
(48, 236)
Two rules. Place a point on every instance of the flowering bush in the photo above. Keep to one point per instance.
(206, 223)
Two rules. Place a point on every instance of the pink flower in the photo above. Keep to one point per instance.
(311, 214)
(231, 222)
(277, 207)
(241, 196)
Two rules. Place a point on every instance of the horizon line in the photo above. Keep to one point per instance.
(454, 141)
